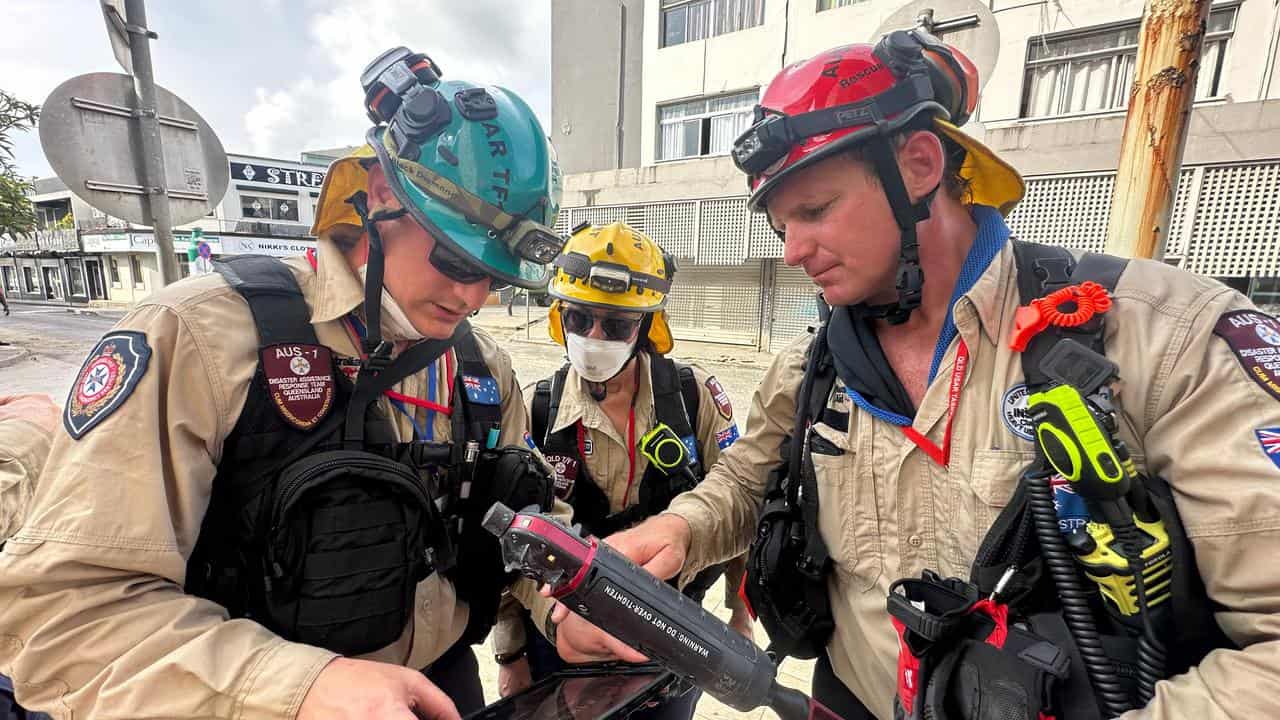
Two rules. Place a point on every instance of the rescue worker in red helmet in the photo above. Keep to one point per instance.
(906, 413)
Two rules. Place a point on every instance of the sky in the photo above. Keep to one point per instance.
(276, 77)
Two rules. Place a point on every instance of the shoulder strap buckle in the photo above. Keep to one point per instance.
(377, 356)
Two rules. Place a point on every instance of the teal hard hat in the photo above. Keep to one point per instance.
(471, 164)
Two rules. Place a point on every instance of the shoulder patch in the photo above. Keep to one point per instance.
(1254, 338)
(721, 397)
(106, 380)
(1269, 439)
(299, 381)
(481, 390)
(727, 437)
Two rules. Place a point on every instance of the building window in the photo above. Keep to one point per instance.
(254, 207)
(1093, 71)
(1265, 291)
(52, 283)
(829, 4)
(707, 126)
(688, 20)
(75, 276)
(10, 279)
(135, 269)
(114, 267)
(30, 280)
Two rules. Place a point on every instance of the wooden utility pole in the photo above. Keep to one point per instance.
(1155, 129)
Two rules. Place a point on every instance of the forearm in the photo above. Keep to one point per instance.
(90, 633)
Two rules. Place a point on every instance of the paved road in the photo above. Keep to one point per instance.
(56, 342)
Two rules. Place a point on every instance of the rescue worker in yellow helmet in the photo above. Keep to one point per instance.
(597, 419)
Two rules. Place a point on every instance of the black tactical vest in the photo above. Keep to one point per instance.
(320, 527)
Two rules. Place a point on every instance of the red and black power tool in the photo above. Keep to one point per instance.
(618, 596)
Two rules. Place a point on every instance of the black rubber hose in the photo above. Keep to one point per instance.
(1073, 595)
(1152, 656)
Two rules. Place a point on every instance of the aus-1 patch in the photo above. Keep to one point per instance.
(721, 397)
(1254, 338)
(106, 380)
(299, 382)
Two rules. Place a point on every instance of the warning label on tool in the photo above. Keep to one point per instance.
(663, 626)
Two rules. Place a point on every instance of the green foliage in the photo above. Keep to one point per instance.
(17, 216)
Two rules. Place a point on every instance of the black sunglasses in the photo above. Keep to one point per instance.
(457, 269)
(615, 327)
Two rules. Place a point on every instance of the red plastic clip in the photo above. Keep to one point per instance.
(1089, 299)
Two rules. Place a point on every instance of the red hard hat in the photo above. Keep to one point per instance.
(848, 94)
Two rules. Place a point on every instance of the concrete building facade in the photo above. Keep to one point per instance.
(81, 256)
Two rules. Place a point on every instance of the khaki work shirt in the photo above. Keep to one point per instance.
(609, 460)
(1190, 413)
(93, 618)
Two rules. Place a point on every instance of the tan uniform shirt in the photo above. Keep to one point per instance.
(93, 617)
(1190, 412)
(24, 443)
(617, 469)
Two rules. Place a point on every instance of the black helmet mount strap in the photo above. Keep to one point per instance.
(910, 277)
(377, 351)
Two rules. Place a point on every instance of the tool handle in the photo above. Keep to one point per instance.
(618, 596)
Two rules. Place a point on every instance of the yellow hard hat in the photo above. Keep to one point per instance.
(614, 267)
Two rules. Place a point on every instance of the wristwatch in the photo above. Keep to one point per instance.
(508, 658)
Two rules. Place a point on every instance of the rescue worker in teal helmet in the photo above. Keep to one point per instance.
(265, 497)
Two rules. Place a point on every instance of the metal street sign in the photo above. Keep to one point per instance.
(966, 25)
(113, 13)
(88, 133)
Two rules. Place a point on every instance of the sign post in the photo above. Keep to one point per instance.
(151, 146)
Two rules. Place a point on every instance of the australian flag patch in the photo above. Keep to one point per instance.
(481, 390)
(1269, 438)
(727, 436)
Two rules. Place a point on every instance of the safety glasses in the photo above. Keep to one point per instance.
(614, 327)
(457, 269)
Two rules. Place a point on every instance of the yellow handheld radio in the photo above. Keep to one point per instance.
(1077, 437)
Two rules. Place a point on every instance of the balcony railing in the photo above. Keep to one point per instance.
(41, 241)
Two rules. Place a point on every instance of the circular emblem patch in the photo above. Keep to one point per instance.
(1268, 334)
(1014, 409)
(99, 379)
(300, 366)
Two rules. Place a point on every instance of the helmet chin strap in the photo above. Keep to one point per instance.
(375, 349)
(910, 277)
